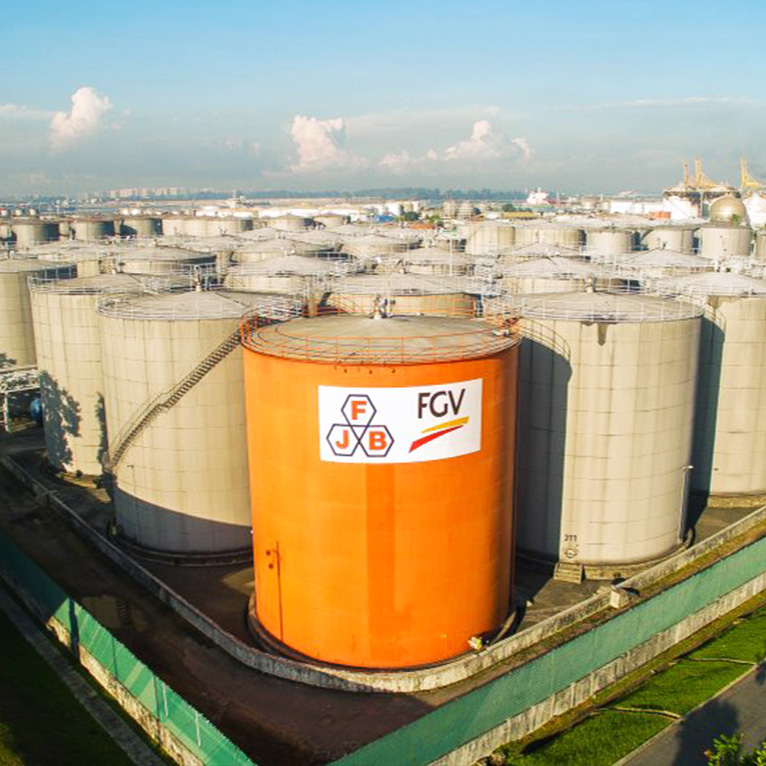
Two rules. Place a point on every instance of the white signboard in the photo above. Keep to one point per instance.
(399, 425)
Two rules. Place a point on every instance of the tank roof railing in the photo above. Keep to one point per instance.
(494, 332)
(645, 308)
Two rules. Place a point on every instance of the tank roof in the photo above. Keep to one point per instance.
(555, 267)
(714, 283)
(392, 284)
(356, 339)
(197, 305)
(668, 259)
(545, 249)
(601, 307)
(19, 265)
(289, 265)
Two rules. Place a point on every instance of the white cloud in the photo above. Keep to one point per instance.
(16, 112)
(320, 146)
(84, 119)
(486, 144)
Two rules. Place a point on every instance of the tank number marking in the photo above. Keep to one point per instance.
(570, 538)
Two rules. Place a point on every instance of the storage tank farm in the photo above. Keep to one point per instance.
(69, 359)
(175, 417)
(17, 337)
(381, 466)
(729, 456)
(606, 401)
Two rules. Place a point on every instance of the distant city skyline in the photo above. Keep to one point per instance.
(590, 96)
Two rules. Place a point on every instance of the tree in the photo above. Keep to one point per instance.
(727, 752)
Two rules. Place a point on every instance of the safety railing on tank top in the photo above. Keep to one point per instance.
(492, 333)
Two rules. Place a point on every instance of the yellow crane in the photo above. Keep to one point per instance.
(746, 181)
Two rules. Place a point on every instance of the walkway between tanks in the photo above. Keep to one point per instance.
(740, 708)
(109, 720)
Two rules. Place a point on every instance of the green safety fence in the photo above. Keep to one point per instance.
(190, 727)
(458, 722)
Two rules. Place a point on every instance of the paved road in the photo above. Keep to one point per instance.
(742, 708)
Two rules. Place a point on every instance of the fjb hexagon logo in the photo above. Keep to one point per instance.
(392, 424)
(359, 430)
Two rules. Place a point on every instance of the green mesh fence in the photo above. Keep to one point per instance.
(458, 722)
(178, 716)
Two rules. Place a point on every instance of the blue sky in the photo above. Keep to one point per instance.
(589, 95)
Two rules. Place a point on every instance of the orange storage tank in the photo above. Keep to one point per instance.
(381, 455)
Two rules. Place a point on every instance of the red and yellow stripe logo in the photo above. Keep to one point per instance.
(434, 432)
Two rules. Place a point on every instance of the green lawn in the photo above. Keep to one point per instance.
(41, 723)
(683, 686)
(600, 740)
(745, 641)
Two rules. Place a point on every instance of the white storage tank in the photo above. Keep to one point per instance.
(437, 261)
(155, 260)
(490, 238)
(729, 455)
(609, 241)
(292, 274)
(179, 462)
(549, 233)
(606, 409)
(399, 293)
(32, 231)
(89, 229)
(289, 222)
(69, 359)
(140, 226)
(331, 220)
(547, 275)
(17, 337)
(657, 264)
(677, 238)
(719, 242)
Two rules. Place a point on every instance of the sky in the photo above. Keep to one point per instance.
(586, 96)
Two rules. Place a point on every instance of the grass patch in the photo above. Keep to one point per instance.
(683, 686)
(40, 721)
(600, 740)
(745, 641)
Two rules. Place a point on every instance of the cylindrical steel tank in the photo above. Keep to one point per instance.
(490, 238)
(677, 238)
(606, 402)
(69, 359)
(17, 337)
(89, 229)
(719, 242)
(609, 241)
(33, 231)
(291, 274)
(289, 222)
(230, 225)
(381, 465)
(154, 260)
(141, 226)
(409, 294)
(656, 264)
(729, 455)
(549, 275)
(437, 261)
(549, 233)
(331, 220)
(760, 245)
(180, 484)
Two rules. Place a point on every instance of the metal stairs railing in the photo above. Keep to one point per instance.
(166, 401)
